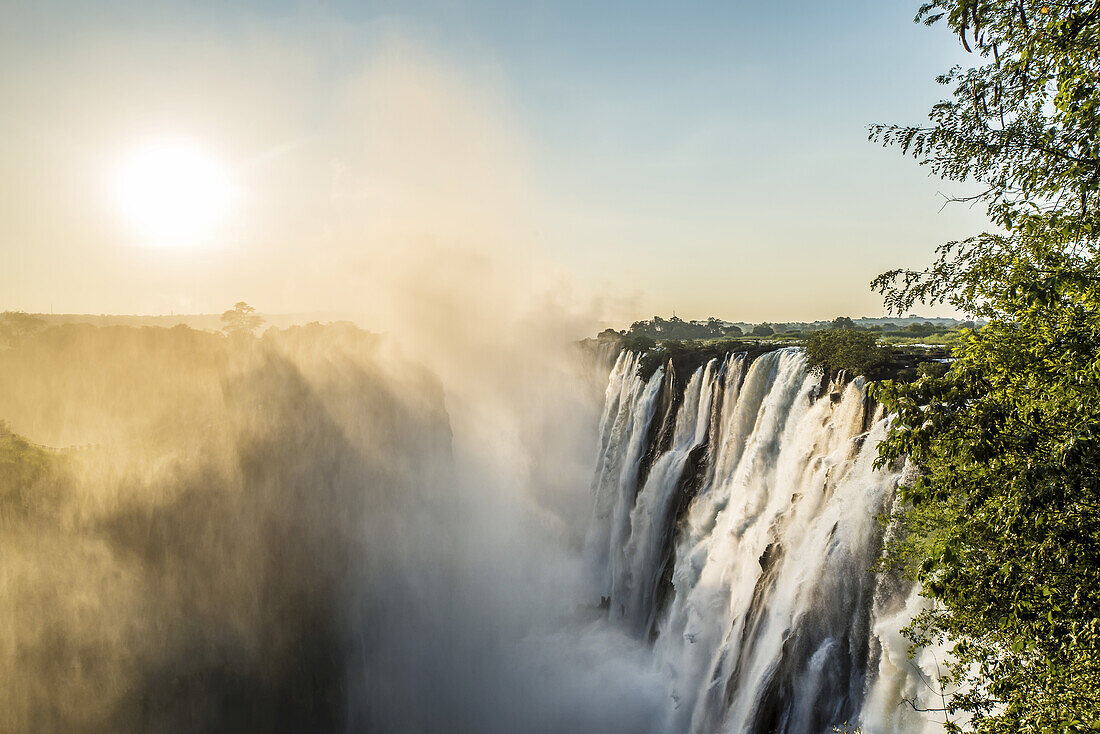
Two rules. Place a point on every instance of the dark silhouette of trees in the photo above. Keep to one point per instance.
(241, 320)
(15, 326)
(676, 328)
(762, 330)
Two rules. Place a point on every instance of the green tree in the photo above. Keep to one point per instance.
(1002, 524)
(854, 351)
(241, 320)
(638, 342)
(842, 322)
(762, 330)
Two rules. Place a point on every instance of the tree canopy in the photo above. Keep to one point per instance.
(677, 328)
(240, 320)
(855, 352)
(762, 330)
(1002, 524)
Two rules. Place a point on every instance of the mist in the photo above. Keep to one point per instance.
(386, 525)
(284, 534)
(327, 529)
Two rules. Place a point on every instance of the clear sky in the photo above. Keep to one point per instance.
(635, 157)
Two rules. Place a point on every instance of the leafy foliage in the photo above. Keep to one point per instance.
(638, 342)
(762, 330)
(1003, 522)
(855, 352)
(676, 328)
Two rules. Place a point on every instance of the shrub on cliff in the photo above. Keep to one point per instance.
(855, 352)
(638, 343)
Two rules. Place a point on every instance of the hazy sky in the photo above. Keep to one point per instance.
(631, 157)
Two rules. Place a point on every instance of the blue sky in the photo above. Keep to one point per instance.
(707, 157)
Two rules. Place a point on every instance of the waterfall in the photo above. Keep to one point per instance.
(736, 527)
(634, 582)
(629, 407)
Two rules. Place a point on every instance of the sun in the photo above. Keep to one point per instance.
(172, 193)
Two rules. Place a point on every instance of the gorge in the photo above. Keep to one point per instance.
(309, 532)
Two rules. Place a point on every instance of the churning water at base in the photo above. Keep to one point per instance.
(735, 527)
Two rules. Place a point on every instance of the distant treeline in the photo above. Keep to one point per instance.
(201, 321)
(643, 334)
(242, 319)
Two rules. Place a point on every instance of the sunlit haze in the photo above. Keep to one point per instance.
(171, 192)
(618, 160)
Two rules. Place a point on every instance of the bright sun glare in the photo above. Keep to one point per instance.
(172, 193)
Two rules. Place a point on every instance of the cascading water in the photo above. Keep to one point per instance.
(629, 406)
(735, 525)
(635, 579)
